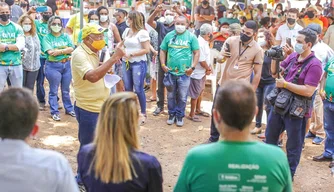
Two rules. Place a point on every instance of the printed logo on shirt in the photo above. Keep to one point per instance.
(179, 43)
(258, 179)
(229, 177)
(8, 38)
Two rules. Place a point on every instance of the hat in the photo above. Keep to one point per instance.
(315, 27)
(235, 27)
(313, 7)
(92, 29)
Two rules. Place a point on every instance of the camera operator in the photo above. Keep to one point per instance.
(302, 73)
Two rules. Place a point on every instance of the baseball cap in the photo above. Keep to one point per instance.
(92, 29)
(315, 27)
(235, 27)
(313, 7)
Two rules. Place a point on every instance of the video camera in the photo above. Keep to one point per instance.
(275, 53)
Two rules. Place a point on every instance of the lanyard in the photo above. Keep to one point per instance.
(241, 53)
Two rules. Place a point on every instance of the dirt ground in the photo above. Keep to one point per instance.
(170, 145)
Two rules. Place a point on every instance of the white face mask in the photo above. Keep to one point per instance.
(94, 22)
(86, 11)
(113, 20)
(56, 28)
(26, 28)
(278, 11)
(262, 42)
(127, 23)
(180, 28)
(169, 19)
(104, 18)
(230, 15)
(215, 29)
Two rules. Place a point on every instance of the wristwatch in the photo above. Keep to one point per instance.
(6, 48)
(193, 68)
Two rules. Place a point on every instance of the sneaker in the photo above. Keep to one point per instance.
(72, 113)
(310, 135)
(179, 121)
(56, 117)
(317, 140)
(171, 120)
(158, 111)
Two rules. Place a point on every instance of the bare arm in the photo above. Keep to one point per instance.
(69, 30)
(116, 33)
(162, 57)
(303, 90)
(151, 18)
(199, 18)
(204, 65)
(208, 17)
(273, 69)
(257, 76)
(323, 81)
(144, 50)
(196, 58)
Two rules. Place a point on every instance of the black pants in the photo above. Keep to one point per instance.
(29, 79)
(161, 87)
(214, 134)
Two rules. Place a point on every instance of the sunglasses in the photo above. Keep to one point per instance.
(56, 24)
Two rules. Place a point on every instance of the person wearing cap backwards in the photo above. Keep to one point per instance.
(324, 53)
(312, 12)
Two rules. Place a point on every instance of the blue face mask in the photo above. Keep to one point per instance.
(299, 48)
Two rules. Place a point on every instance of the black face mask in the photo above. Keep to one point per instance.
(4, 17)
(205, 2)
(244, 38)
(9, 2)
(291, 21)
(310, 14)
(46, 17)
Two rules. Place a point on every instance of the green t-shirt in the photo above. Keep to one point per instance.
(179, 51)
(51, 42)
(228, 20)
(8, 35)
(42, 31)
(235, 166)
(329, 87)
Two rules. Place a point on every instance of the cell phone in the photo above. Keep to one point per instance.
(227, 47)
(167, 7)
(41, 9)
(288, 41)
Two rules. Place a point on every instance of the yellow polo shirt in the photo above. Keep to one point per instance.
(308, 21)
(74, 24)
(88, 96)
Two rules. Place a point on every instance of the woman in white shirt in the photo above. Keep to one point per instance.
(136, 41)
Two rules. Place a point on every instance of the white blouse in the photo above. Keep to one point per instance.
(133, 44)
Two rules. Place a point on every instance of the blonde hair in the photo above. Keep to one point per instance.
(137, 20)
(116, 136)
(33, 26)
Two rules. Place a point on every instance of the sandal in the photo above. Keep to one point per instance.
(194, 118)
(143, 118)
(202, 113)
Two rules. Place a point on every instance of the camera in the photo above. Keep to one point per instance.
(276, 53)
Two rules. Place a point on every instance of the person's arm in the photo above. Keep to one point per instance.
(70, 25)
(322, 86)
(95, 75)
(278, 38)
(208, 17)
(144, 40)
(151, 18)
(257, 76)
(197, 14)
(116, 33)
(328, 35)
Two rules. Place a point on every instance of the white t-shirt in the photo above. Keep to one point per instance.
(204, 50)
(284, 32)
(323, 52)
(133, 44)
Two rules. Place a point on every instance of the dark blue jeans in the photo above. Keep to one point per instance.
(295, 128)
(261, 93)
(214, 134)
(40, 92)
(329, 128)
(59, 74)
(177, 98)
(133, 79)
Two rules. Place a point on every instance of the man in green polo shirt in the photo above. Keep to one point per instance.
(11, 43)
(236, 163)
(182, 51)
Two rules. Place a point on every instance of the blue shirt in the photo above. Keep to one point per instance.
(147, 168)
(23, 168)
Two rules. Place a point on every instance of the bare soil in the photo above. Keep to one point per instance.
(170, 145)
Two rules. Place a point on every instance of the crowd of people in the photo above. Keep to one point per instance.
(280, 61)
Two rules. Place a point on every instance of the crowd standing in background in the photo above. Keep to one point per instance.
(280, 60)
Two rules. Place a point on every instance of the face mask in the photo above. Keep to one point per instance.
(310, 14)
(26, 28)
(9, 2)
(180, 28)
(56, 28)
(86, 11)
(291, 21)
(244, 38)
(104, 18)
(96, 22)
(113, 20)
(128, 23)
(278, 11)
(23, 5)
(215, 29)
(230, 15)
(46, 17)
(262, 42)
(299, 48)
(205, 2)
(169, 19)
(98, 45)
(4, 17)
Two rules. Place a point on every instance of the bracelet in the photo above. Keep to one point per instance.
(162, 65)
(285, 84)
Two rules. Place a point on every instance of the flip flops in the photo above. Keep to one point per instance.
(194, 118)
(202, 113)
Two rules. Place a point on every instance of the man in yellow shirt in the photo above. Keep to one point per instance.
(88, 79)
(312, 13)
(73, 25)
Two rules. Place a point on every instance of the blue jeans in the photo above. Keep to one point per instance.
(58, 73)
(329, 128)
(177, 98)
(133, 79)
(40, 92)
(261, 93)
(295, 128)
(14, 73)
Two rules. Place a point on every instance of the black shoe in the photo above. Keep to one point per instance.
(158, 111)
(321, 158)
